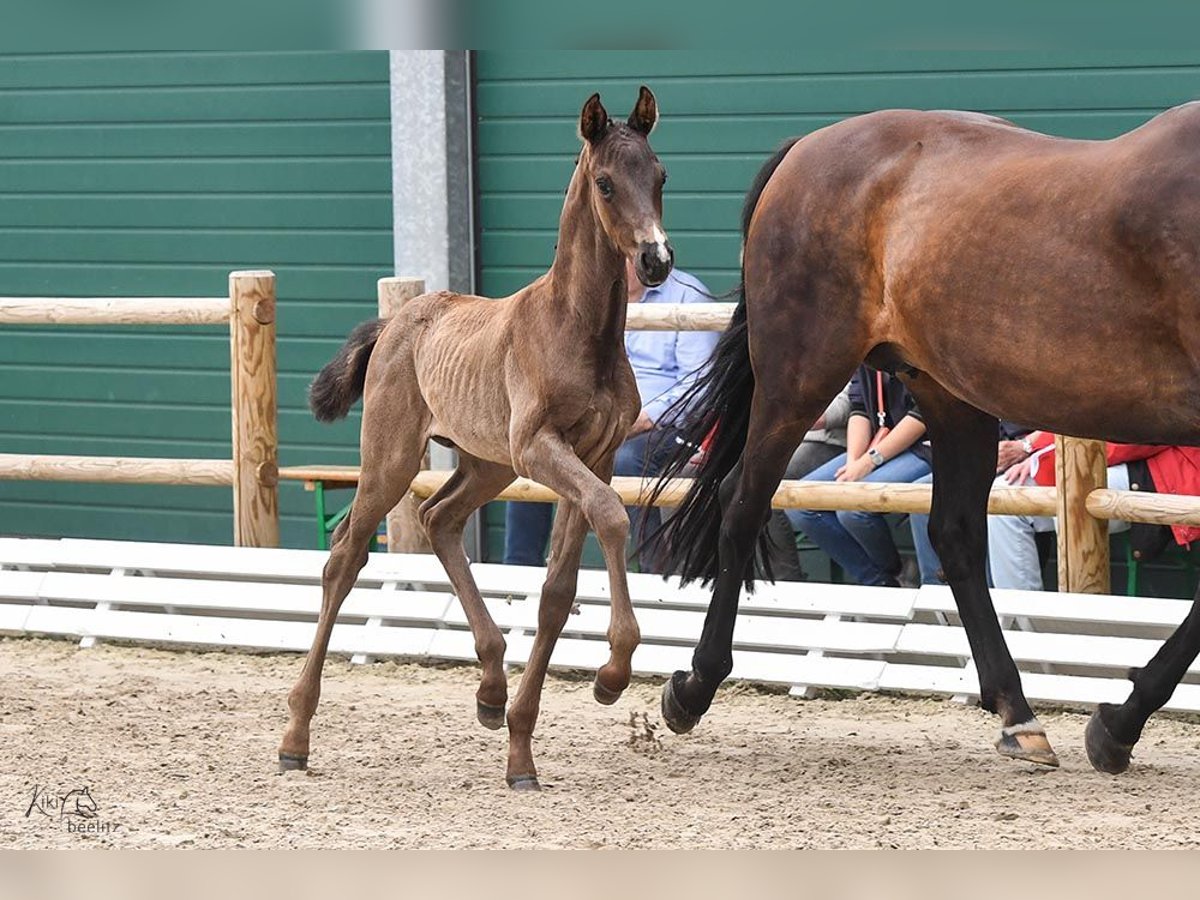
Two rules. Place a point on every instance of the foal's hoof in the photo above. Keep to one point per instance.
(1027, 741)
(289, 762)
(523, 782)
(490, 717)
(604, 695)
(1105, 753)
(678, 719)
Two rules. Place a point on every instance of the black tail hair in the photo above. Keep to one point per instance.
(717, 404)
(340, 383)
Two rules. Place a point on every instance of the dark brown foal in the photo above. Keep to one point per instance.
(999, 272)
(535, 385)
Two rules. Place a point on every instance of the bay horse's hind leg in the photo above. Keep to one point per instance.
(389, 464)
(964, 441)
(558, 595)
(444, 516)
(1113, 730)
(777, 425)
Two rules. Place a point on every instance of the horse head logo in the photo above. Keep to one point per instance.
(78, 802)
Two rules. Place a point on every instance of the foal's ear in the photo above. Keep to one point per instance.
(593, 121)
(645, 112)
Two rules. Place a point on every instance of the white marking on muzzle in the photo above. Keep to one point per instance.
(659, 239)
(660, 244)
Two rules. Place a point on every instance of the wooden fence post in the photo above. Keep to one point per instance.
(255, 428)
(1083, 558)
(404, 531)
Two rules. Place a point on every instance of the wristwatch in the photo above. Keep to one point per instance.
(1027, 446)
(875, 457)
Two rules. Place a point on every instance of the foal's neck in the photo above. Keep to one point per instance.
(587, 278)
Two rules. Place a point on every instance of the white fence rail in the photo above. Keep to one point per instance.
(1072, 648)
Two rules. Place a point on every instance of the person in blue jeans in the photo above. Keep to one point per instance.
(665, 364)
(927, 558)
(885, 441)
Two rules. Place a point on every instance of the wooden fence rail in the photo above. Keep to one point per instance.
(253, 471)
(115, 469)
(114, 311)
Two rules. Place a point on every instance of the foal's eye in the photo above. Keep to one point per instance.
(664, 181)
(605, 187)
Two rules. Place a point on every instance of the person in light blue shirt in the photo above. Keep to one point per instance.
(664, 363)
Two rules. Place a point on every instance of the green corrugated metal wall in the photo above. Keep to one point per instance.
(156, 174)
(724, 112)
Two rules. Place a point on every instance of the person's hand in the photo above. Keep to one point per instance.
(1020, 473)
(643, 424)
(855, 469)
(1009, 454)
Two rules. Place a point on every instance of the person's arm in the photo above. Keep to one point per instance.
(1115, 454)
(909, 430)
(858, 437)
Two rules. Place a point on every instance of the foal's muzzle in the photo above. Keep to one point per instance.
(654, 262)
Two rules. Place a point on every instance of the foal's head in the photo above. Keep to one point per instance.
(626, 183)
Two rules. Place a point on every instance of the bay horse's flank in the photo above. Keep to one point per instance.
(536, 385)
(1001, 273)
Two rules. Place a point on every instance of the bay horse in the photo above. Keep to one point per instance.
(536, 385)
(1000, 273)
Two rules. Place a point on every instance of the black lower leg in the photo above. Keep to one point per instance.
(964, 463)
(688, 695)
(1114, 730)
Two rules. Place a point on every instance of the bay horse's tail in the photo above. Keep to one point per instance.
(714, 414)
(340, 383)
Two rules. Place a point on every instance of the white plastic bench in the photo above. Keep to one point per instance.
(799, 634)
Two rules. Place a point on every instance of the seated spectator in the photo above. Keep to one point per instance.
(885, 441)
(664, 364)
(1012, 449)
(1012, 550)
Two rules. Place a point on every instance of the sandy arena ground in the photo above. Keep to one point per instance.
(178, 749)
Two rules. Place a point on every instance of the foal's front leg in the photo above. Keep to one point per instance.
(553, 462)
(558, 596)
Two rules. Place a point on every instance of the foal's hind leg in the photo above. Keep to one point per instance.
(558, 594)
(386, 475)
(1113, 730)
(444, 516)
(964, 466)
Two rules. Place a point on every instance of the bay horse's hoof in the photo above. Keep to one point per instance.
(603, 695)
(1105, 753)
(490, 717)
(289, 762)
(678, 719)
(523, 783)
(1027, 741)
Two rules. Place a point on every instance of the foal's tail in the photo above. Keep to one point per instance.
(340, 383)
(714, 413)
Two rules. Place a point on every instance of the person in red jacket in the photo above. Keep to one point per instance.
(1012, 550)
